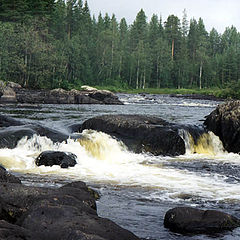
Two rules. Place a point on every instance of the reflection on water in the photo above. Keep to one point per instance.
(136, 189)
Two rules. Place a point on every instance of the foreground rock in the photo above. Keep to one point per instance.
(224, 122)
(69, 212)
(140, 133)
(13, 93)
(50, 158)
(196, 221)
(7, 177)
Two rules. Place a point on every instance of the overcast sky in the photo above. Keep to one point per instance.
(215, 13)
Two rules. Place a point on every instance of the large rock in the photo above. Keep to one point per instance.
(5, 176)
(6, 121)
(10, 136)
(140, 133)
(11, 131)
(192, 220)
(8, 95)
(61, 96)
(106, 97)
(10, 231)
(68, 212)
(50, 158)
(224, 122)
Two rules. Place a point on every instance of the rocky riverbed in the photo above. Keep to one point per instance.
(13, 93)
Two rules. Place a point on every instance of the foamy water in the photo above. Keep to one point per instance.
(103, 159)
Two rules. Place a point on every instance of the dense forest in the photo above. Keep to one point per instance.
(49, 44)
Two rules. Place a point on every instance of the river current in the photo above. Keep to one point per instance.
(136, 189)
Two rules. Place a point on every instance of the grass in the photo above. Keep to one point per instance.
(217, 92)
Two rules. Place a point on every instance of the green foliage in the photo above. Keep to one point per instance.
(52, 44)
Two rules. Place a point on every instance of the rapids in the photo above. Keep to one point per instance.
(136, 189)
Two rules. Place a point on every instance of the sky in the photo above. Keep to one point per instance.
(215, 13)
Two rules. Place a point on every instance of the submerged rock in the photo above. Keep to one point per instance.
(140, 133)
(196, 221)
(50, 158)
(224, 122)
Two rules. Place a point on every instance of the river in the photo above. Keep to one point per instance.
(136, 189)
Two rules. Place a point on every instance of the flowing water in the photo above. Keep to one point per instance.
(136, 189)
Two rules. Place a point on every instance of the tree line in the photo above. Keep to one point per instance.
(49, 44)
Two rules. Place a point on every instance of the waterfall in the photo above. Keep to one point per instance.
(202, 143)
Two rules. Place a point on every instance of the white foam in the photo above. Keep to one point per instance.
(113, 164)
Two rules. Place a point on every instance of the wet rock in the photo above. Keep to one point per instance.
(10, 231)
(61, 96)
(68, 212)
(85, 99)
(50, 158)
(5, 176)
(140, 133)
(8, 95)
(10, 136)
(195, 221)
(105, 97)
(6, 121)
(74, 128)
(224, 122)
(13, 85)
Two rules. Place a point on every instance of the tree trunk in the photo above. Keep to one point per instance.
(172, 49)
(120, 67)
(158, 81)
(25, 73)
(200, 75)
(137, 80)
(112, 53)
(144, 78)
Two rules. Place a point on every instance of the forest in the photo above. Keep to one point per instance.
(51, 44)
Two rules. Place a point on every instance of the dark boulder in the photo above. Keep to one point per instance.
(5, 176)
(82, 98)
(6, 121)
(140, 133)
(68, 212)
(106, 97)
(224, 122)
(64, 221)
(61, 96)
(7, 94)
(50, 158)
(10, 136)
(10, 231)
(195, 221)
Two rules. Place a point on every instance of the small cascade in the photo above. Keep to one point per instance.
(201, 142)
(102, 146)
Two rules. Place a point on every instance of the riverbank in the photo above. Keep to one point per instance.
(11, 92)
(206, 93)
